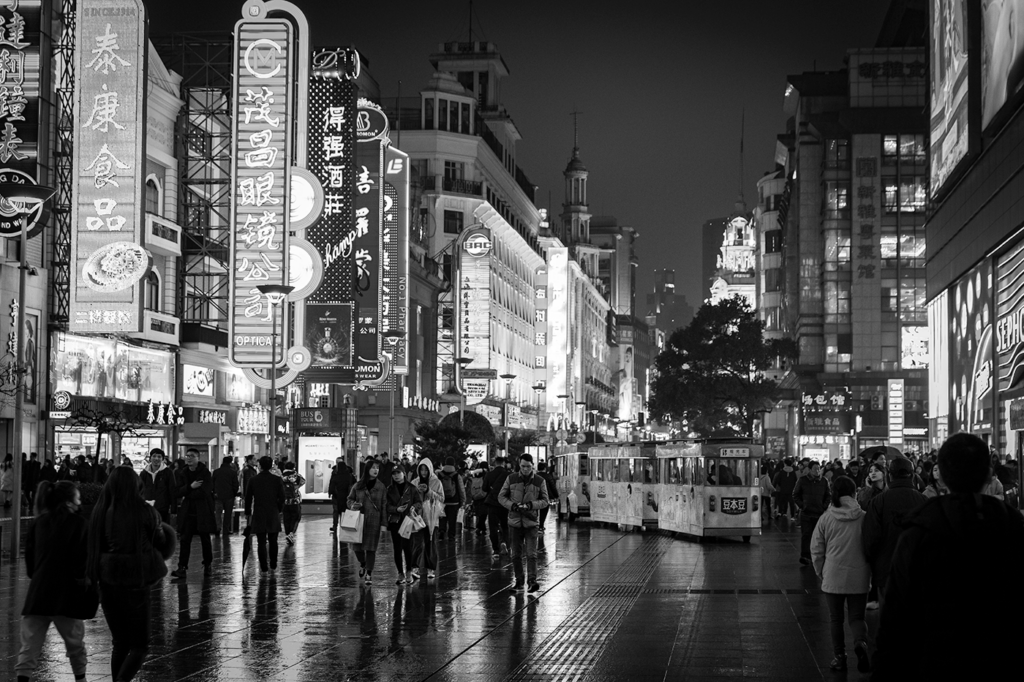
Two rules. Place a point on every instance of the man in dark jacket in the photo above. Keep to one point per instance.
(264, 502)
(30, 479)
(195, 512)
(812, 497)
(339, 485)
(158, 485)
(883, 522)
(549, 480)
(785, 482)
(454, 498)
(854, 471)
(945, 606)
(497, 515)
(524, 494)
(225, 487)
(249, 472)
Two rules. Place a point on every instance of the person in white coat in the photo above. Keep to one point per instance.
(837, 555)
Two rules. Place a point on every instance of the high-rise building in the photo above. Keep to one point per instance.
(666, 304)
(735, 266)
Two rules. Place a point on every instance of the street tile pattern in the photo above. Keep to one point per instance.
(613, 606)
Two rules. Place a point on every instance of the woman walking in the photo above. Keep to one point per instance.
(369, 497)
(429, 486)
(404, 500)
(55, 558)
(7, 480)
(839, 561)
(127, 551)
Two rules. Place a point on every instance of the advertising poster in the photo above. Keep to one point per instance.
(1009, 332)
(104, 368)
(949, 123)
(972, 376)
(1002, 53)
(316, 460)
(329, 335)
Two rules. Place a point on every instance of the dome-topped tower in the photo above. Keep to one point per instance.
(575, 216)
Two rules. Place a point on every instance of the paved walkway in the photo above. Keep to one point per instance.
(613, 606)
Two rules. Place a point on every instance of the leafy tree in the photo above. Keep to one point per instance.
(710, 374)
(441, 439)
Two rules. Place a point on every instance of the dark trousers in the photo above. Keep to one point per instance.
(186, 546)
(519, 537)
(165, 515)
(855, 604)
(543, 517)
(497, 519)
(424, 553)
(261, 549)
(339, 509)
(447, 524)
(292, 515)
(480, 509)
(226, 509)
(403, 548)
(807, 524)
(126, 611)
(784, 504)
(367, 559)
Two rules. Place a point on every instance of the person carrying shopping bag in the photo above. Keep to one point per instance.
(429, 487)
(404, 501)
(369, 497)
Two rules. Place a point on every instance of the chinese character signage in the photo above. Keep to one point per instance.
(261, 161)
(474, 302)
(20, 58)
(558, 327)
(865, 247)
(896, 412)
(395, 255)
(108, 261)
(331, 136)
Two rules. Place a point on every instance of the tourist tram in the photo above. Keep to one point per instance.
(703, 488)
(571, 467)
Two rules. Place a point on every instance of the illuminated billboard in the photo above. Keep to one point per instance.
(1009, 331)
(105, 368)
(474, 304)
(108, 260)
(949, 122)
(1002, 55)
(395, 255)
(260, 170)
(972, 376)
(558, 328)
(20, 35)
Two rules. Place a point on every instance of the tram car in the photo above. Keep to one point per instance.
(710, 488)
(571, 468)
(625, 484)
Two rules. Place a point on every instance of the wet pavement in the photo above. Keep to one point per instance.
(612, 606)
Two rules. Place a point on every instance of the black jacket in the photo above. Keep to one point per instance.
(225, 483)
(195, 505)
(952, 592)
(493, 481)
(162, 489)
(264, 501)
(812, 495)
(549, 478)
(883, 524)
(341, 482)
(55, 559)
(409, 497)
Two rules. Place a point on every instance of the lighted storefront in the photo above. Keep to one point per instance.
(828, 425)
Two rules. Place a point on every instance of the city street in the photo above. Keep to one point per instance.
(613, 606)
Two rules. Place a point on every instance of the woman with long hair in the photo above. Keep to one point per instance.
(369, 497)
(429, 485)
(59, 592)
(874, 485)
(127, 548)
(403, 500)
(7, 480)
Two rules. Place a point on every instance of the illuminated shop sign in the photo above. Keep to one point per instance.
(165, 414)
(837, 400)
(474, 309)
(896, 412)
(972, 380)
(260, 172)
(204, 416)
(105, 368)
(108, 260)
(19, 106)
(395, 255)
(1009, 331)
(558, 327)
(253, 420)
(197, 380)
(950, 119)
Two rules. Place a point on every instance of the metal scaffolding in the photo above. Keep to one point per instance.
(60, 266)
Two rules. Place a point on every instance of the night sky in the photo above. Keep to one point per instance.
(661, 87)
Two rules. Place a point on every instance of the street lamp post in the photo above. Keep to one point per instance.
(275, 293)
(563, 397)
(20, 197)
(393, 337)
(583, 406)
(508, 391)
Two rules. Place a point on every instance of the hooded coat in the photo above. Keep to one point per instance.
(371, 496)
(883, 524)
(837, 552)
(433, 497)
(55, 560)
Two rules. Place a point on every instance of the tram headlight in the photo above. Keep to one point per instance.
(711, 503)
(754, 502)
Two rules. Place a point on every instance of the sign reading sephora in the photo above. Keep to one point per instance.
(260, 171)
(109, 261)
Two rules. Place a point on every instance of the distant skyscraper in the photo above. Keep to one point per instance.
(669, 308)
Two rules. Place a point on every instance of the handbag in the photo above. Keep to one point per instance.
(418, 522)
(350, 534)
(407, 528)
(351, 519)
(461, 516)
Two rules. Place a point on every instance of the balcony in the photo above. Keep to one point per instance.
(162, 236)
(462, 186)
(159, 327)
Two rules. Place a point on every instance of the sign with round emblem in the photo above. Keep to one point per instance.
(12, 213)
(61, 400)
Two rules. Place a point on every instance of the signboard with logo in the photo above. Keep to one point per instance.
(260, 170)
(866, 251)
(20, 110)
(206, 415)
(318, 419)
(474, 301)
(395, 258)
(197, 380)
(108, 260)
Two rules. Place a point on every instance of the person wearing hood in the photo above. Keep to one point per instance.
(884, 521)
(369, 497)
(946, 615)
(838, 558)
(524, 494)
(454, 498)
(812, 496)
(195, 512)
(158, 485)
(432, 495)
(785, 482)
(404, 500)
(293, 482)
(225, 488)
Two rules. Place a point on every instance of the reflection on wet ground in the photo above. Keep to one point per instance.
(613, 606)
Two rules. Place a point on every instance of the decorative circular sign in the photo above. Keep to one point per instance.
(12, 213)
(306, 201)
(61, 400)
(477, 245)
(115, 266)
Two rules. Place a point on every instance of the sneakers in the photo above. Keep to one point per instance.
(504, 548)
(368, 579)
(863, 662)
(362, 571)
(534, 587)
(495, 556)
(414, 575)
(839, 662)
(430, 575)
(334, 531)
(872, 606)
(180, 573)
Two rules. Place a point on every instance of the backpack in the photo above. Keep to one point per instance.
(291, 491)
(477, 488)
(451, 492)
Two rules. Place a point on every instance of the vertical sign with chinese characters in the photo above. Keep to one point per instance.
(474, 302)
(395, 255)
(261, 159)
(20, 110)
(558, 328)
(896, 412)
(331, 135)
(866, 251)
(108, 172)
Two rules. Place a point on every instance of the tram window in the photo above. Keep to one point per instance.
(626, 470)
(584, 465)
(686, 470)
(711, 475)
(698, 472)
(598, 471)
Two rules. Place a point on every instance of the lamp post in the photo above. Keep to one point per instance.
(393, 337)
(563, 397)
(508, 390)
(21, 197)
(275, 293)
(583, 406)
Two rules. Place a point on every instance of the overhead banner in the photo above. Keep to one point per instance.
(261, 173)
(331, 135)
(109, 261)
(20, 109)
